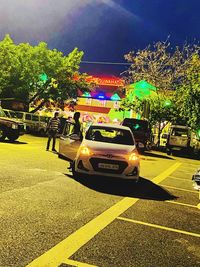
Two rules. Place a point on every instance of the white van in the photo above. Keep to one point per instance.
(34, 123)
(182, 138)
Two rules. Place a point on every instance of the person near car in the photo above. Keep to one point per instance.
(76, 129)
(77, 125)
(52, 130)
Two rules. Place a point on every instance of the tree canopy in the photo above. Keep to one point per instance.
(188, 94)
(23, 64)
(175, 74)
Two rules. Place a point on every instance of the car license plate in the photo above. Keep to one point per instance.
(108, 166)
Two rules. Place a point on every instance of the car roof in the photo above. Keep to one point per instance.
(109, 125)
(180, 126)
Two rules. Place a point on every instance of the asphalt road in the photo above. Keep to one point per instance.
(49, 219)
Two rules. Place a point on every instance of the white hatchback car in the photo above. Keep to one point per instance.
(106, 149)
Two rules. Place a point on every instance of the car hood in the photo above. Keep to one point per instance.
(108, 147)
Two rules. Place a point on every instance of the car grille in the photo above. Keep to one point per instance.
(95, 161)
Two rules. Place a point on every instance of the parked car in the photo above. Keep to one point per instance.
(182, 138)
(34, 123)
(10, 113)
(141, 132)
(163, 140)
(106, 150)
(196, 180)
(10, 128)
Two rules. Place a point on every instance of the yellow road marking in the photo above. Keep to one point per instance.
(182, 179)
(166, 173)
(72, 243)
(67, 247)
(181, 189)
(159, 227)
(77, 263)
(180, 203)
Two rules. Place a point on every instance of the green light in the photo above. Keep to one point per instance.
(142, 89)
(167, 103)
(137, 126)
(86, 94)
(43, 77)
(198, 132)
(138, 116)
(143, 85)
(115, 97)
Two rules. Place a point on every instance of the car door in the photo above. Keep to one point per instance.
(68, 143)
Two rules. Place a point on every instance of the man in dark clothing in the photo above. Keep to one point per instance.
(52, 129)
(77, 128)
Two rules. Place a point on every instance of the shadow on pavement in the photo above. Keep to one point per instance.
(151, 154)
(186, 155)
(144, 189)
(14, 142)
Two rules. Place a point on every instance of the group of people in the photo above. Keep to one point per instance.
(54, 125)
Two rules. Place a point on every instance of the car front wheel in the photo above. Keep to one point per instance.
(2, 133)
(12, 136)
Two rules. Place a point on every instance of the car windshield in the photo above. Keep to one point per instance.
(136, 125)
(2, 113)
(179, 132)
(110, 135)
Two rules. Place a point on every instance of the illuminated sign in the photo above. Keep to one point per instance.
(106, 81)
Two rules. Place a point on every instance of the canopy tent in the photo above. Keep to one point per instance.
(141, 90)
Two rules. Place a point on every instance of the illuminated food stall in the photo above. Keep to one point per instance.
(103, 102)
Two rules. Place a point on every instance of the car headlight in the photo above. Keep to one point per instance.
(14, 126)
(85, 151)
(134, 156)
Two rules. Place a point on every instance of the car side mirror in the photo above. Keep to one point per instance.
(75, 137)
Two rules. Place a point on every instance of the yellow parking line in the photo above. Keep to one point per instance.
(77, 263)
(182, 179)
(160, 227)
(76, 240)
(166, 173)
(181, 189)
(66, 248)
(180, 203)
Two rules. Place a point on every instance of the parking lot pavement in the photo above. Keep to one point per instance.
(113, 238)
(155, 223)
(152, 233)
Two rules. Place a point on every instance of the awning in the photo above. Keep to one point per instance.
(92, 109)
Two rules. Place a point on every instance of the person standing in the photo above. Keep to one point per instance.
(77, 126)
(78, 130)
(52, 130)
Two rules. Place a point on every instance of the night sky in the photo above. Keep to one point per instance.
(104, 29)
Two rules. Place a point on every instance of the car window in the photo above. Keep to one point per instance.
(179, 132)
(35, 118)
(13, 114)
(136, 125)
(164, 136)
(2, 113)
(66, 127)
(28, 116)
(19, 115)
(109, 135)
(43, 119)
(7, 113)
